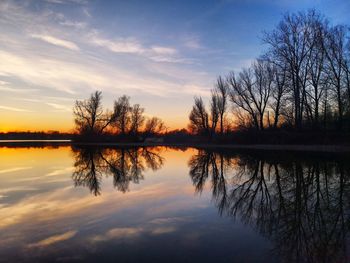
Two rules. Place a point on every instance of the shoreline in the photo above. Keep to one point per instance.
(332, 148)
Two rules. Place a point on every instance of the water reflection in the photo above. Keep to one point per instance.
(301, 205)
(125, 165)
(252, 207)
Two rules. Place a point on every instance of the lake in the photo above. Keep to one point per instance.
(158, 204)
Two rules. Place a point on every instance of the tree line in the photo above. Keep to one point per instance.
(301, 82)
(92, 120)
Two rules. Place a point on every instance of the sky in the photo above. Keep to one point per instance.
(160, 53)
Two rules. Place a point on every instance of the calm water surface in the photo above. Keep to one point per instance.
(172, 205)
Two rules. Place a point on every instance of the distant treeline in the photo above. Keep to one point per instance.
(126, 121)
(52, 135)
(301, 83)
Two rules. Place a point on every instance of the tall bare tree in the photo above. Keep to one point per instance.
(222, 93)
(154, 125)
(278, 92)
(89, 116)
(137, 119)
(199, 118)
(291, 44)
(122, 107)
(251, 91)
(335, 53)
(214, 112)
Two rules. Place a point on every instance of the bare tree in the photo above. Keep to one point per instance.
(199, 118)
(263, 71)
(291, 44)
(335, 54)
(214, 112)
(222, 92)
(89, 116)
(137, 119)
(316, 76)
(251, 91)
(240, 96)
(154, 125)
(278, 92)
(122, 107)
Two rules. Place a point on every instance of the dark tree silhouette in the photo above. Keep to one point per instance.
(89, 116)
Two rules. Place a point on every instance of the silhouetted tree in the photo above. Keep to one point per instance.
(137, 119)
(89, 116)
(154, 125)
(335, 41)
(221, 90)
(122, 106)
(199, 118)
(250, 92)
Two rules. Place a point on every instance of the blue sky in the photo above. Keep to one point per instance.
(161, 53)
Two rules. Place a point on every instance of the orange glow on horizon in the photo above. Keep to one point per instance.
(67, 126)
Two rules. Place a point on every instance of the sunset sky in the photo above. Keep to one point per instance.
(160, 53)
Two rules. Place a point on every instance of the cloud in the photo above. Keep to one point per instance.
(60, 107)
(17, 90)
(14, 109)
(56, 41)
(53, 239)
(192, 43)
(50, 73)
(117, 233)
(155, 53)
(75, 24)
(164, 50)
(81, 2)
(119, 45)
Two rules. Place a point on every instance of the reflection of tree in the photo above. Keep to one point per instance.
(302, 206)
(124, 164)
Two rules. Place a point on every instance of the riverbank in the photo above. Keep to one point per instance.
(267, 147)
(263, 147)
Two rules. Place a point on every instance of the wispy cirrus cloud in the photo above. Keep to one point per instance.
(164, 50)
(59, 107)
(56, 41)
(156, 53)
(7, 108)
(75, 24)
(119, 45)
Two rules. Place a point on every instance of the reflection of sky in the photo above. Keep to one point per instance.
(42, 214)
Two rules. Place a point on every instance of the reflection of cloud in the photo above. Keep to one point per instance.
(132, 232)
(168, 220)
(60, 171)
(14, 169)
(53, 239)
(163, 230)
(17, 189)
(116, 233)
